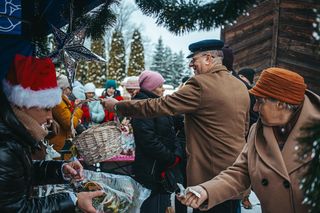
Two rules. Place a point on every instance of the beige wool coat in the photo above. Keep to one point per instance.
(216, 106)
(274, 175)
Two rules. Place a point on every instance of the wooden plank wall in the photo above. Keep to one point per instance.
(277, 33)
(251, 37)
(297, 49)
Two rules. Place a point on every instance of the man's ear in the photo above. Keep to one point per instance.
(207, 60)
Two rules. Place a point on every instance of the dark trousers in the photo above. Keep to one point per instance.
(156, 203)
(179, 207)
(229, 206)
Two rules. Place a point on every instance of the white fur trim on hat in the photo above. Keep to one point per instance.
(25, 97)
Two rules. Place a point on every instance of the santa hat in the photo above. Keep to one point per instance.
(32, 82)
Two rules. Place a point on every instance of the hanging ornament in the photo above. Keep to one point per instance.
(70, 65)
(70, 50)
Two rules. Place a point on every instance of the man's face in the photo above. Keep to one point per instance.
(41, 115)
(199, 63)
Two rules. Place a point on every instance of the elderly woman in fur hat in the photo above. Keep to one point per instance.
(269, 162)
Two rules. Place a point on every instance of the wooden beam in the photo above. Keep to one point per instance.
(275, 35)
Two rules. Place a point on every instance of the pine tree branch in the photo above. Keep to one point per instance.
(180, 16)
(310, 184)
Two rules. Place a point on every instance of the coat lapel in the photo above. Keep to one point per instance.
(285, 162)
(291, 148)
(268, 149)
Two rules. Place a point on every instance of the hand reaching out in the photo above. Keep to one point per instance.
(73, 170)
(78, 103)
(85, 200)
(191, 199)
(109, 103)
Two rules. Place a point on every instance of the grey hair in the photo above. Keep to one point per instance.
(216, 53)
(291, 107)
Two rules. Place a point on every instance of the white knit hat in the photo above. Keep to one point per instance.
(78, 91)
(63, 81)
(132, 82)
(89, 87)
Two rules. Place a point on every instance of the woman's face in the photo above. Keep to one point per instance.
(159, 90)
(272, 112)
(110, 91)
(90, 95)
(132, 92)
(66, 91)
(41, 115)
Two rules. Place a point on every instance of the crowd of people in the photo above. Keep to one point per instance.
(223, 132)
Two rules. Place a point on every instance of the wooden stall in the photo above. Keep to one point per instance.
(278, 33)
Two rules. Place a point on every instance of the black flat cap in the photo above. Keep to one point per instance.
(204, 45)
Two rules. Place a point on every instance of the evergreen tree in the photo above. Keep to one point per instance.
(136, 59)
(93, 71)
(186, 16)
(116, 65)
(97, 70)
(158, 61)
(310, 146)
(82, 70)
(172, 66)
(168, 71)
(179, 68)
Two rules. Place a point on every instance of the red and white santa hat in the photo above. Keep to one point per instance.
(32, 82)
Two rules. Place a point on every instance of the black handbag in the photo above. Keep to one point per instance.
(173, 175)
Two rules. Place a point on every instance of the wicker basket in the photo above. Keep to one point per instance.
(99, 143)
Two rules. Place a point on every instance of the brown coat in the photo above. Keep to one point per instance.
(274, 174)
(216, 106)
(62, 115)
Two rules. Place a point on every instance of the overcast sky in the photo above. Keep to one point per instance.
(176, 43)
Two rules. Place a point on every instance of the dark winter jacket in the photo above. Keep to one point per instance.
(253, 115)
(18, 173)
(156, 146)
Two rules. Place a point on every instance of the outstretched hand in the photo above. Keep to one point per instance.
(191, 199)
(85, 200)
(73, 170)
(109, 103)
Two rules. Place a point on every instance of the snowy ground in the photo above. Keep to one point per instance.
(253, 199)
(255, 205)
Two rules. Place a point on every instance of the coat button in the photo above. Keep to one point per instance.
(264, 182)
(286, 184)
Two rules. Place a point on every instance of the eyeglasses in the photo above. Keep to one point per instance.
(260, 100)
(194, 59)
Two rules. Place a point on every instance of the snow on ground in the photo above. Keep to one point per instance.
(255, 204)
(253, 199)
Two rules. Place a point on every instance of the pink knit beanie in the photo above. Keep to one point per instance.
(149, 80)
